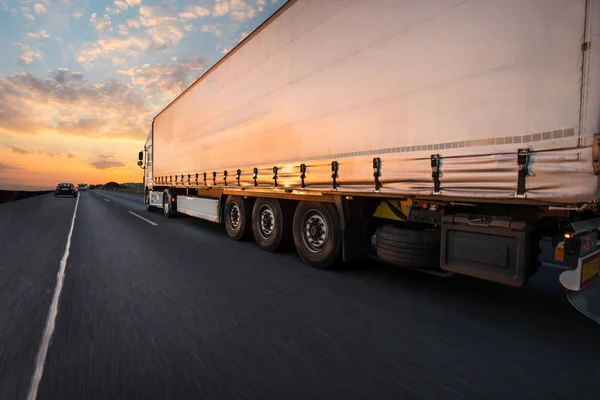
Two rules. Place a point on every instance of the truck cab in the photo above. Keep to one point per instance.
(145, 161)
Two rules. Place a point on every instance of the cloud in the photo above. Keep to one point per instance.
(103, 157)
(211, 29)
(132, 23)
(18, 150)
(121, 5)
(77, 14)
(163, 82)
(238, 10)
(123, 29)
(28, 55)
(103, 25)
(66, 103)
(165, 30)
(193, 12)
(27, 13)
(41, 34)
(40, 8)
(113, 49)
(103, 164)
(221, 8)
(55, 154)
(6, 167)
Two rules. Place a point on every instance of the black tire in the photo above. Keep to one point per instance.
(411, 247)
(272, 224)
(236, 218)
(169, 206)
(317, 234)
(147, 202)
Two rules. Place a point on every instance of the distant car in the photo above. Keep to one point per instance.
(65, 189)
(82, 187)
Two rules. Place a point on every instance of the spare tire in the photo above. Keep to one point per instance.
(412, 247)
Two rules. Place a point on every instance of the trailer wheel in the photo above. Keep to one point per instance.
(417, 248)
(317, 234)
(168, 203)
(271, 224)
(147, 201)
(236, 219)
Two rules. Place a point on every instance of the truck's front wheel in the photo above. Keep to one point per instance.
(147, 201)
(317, 234)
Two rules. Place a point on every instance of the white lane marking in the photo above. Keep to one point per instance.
(142, 218)
(52, 312)
(107, 200)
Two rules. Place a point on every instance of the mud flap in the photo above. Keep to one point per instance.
(587, 300)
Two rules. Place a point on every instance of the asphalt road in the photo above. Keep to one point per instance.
(177, 310)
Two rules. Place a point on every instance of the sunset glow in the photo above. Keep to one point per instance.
(80, 81)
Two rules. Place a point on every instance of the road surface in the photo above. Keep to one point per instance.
(156, 308)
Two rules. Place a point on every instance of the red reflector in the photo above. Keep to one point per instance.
(173, 199)
(587, 242)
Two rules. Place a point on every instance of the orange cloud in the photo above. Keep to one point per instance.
(163, 82)
(66, 103)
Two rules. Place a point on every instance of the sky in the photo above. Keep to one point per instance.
(80, 80)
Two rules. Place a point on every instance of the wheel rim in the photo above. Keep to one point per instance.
(315, 232)
(267, 222)
(167, 206)
(234, 216)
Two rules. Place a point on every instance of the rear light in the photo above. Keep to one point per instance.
(173, 199)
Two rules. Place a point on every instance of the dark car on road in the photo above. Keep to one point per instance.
(65, 189)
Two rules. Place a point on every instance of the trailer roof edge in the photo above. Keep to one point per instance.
(266, 23)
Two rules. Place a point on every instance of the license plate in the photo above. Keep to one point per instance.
(590, 269)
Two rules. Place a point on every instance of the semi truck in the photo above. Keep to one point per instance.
(445, 136)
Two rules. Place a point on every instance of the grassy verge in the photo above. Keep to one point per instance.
(6, 196)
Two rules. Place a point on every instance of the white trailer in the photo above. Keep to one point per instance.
(454, 136)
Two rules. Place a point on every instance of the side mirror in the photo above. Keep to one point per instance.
(141, 156)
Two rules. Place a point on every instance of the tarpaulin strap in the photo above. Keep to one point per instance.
(522, 170)
(435, 172)
(377, 172)
(334, 173)
(303, 174)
